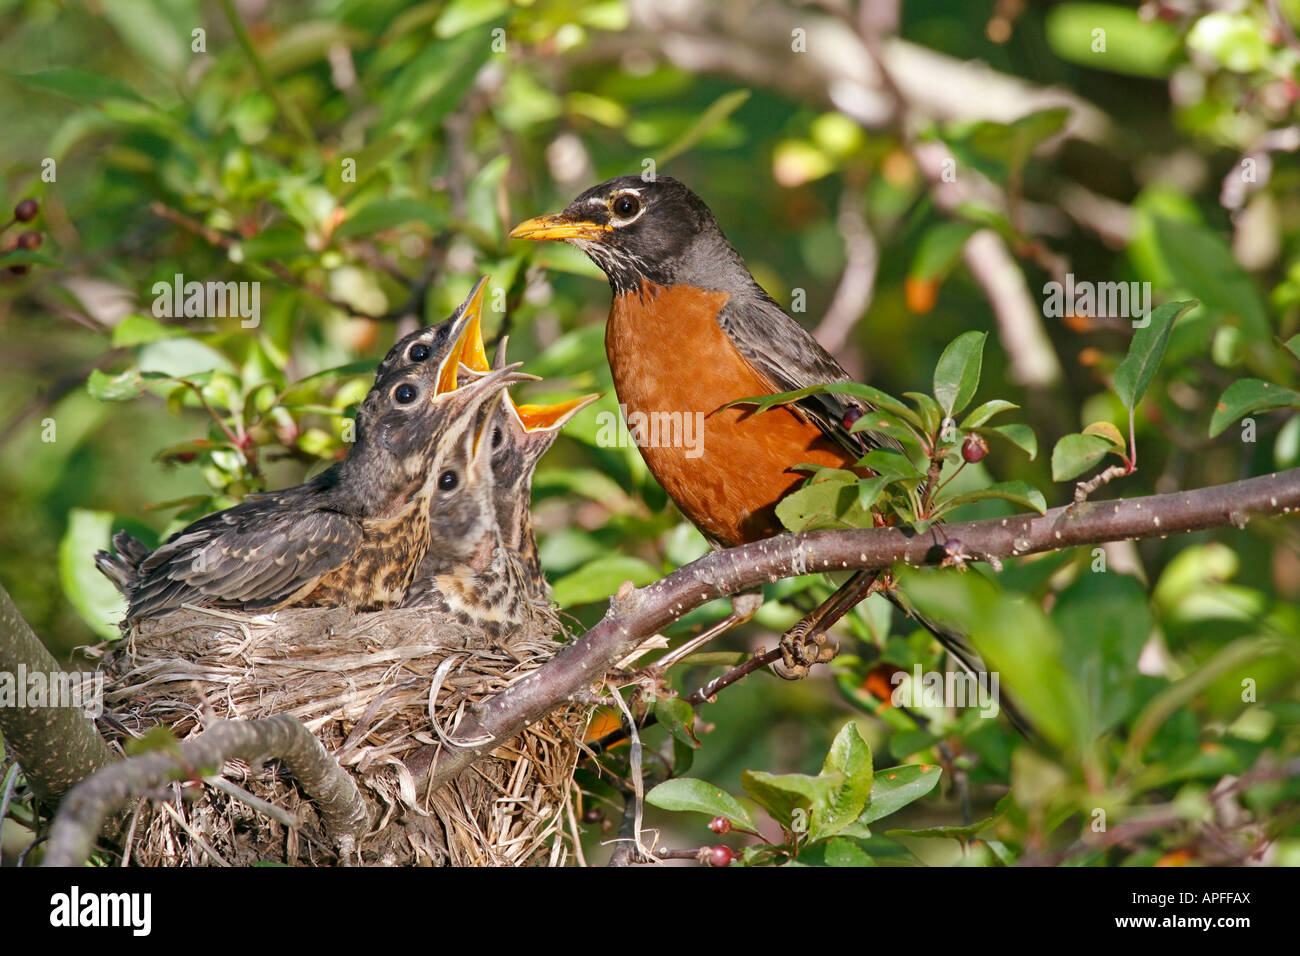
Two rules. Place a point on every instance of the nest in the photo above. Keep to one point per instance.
(373, 688)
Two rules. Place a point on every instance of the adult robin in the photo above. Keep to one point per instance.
(690, 330)
(354, 535)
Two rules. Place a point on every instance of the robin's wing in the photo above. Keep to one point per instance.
(785, 354)
(256, 555)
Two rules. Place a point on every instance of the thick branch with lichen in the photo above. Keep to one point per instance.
(635, 614)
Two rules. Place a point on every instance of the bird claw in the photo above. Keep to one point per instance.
(799, 652)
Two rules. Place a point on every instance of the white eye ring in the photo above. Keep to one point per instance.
(617, 220)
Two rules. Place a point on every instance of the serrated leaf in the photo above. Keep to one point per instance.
(957, 375)
(1074, 454)
(841, 852)
(896, 787)
(789, 795)
(699, 796)
(850, 759)
(1145, 352)
(1019, 492)
(985, 412)
(1249, 395)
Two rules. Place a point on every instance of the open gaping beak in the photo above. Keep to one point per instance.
(467, 346)
(537, 418)
(559, 226)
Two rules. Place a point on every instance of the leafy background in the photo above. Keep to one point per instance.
(228, 165)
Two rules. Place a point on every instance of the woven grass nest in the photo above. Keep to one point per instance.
(372, 687)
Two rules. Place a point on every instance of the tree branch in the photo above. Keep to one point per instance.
(55, 746)
(335, 794)
(636, 613)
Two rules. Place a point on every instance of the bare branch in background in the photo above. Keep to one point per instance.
(1033, 362)
(857, 283)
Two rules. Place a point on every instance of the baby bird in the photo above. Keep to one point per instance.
(354, 535)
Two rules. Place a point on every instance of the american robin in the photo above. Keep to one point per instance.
(504, 589)
(690, 330)
(354, 535)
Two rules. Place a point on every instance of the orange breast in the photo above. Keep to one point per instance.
(669, 355)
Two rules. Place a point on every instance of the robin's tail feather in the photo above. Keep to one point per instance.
(959, 647)
(123, 568)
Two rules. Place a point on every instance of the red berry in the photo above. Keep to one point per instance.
(26, 210)
(720, 825)
(851, 416)
(30, 240)
(721, 856)
(974, 448)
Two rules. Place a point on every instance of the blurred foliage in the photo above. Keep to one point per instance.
(362, 160)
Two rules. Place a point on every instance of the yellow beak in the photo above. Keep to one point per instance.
(469, 348)
(555, 226)
(546, 417)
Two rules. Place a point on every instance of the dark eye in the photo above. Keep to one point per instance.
(405, 393)
(448, 480)
(496, 437)
(419, 352)
(626, 206)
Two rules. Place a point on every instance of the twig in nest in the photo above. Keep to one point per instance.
(88, 803)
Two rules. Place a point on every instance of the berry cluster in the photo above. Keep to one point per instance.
(29, 240)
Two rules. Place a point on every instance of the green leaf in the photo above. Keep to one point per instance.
(77, 84)
(1019, 492)
(597, 580)
(940, 248)
(896, 787)
(873, 396)
(385, 214)
(850, 759)
(93, 595)
(1293, 345)
(797, 801)
(931, 414)
(687, 793)
(1249, 395)
(716, 113)
(460, 15)
(1134, 46)
(1016, 640)
(890, 463)
(678, 717)
(869, 491)
(1145, 352)
(957, 375)
(986, 411)
(1075, 454)
(1202, 263)
(826, 504)
(1108, 433)
(142, 329)
(841, 852)
(1022, 436)
(121, 387)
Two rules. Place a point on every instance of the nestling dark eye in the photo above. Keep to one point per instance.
(448, 480)
(405, 393)
(626, 206)
(419, 352)
(496, 437)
